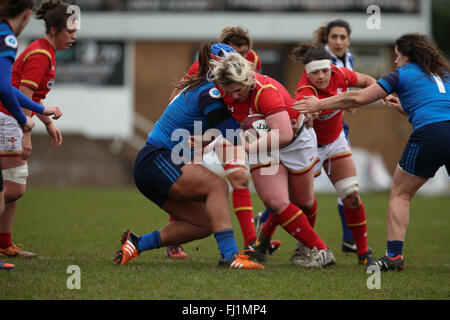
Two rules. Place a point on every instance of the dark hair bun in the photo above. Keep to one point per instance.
(45, 7)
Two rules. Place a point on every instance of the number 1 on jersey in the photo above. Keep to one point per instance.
(439, 83)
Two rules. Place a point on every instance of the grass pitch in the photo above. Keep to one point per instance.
(82, 227)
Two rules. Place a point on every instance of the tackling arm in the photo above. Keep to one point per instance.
(352, 99)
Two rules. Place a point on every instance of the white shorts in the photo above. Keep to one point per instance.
(11, 135)
(338, 149)
(299, 156)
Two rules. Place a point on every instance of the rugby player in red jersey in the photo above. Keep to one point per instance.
(286, 184)
(34, 75)
(322, 79)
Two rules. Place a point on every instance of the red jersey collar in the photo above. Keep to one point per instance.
(49, 45)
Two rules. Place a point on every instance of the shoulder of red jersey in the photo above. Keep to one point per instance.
(35, 68)
(305, 91)
(344, 76)
(305, 88)
(41, 47)
(270, 97)
(264, 82)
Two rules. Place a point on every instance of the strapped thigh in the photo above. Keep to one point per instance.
(347, 186)
(17, 175)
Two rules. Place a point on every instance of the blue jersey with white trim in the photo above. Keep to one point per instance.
(8, 42)
(187, 113)
(426, 99)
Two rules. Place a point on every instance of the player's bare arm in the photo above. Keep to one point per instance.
(26, 140)
(352, 99)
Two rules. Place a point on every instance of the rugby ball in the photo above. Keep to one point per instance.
(254, 127)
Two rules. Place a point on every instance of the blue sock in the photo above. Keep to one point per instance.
(265, 216)
(394, 248)
(226, 242)
(347, 236)
(149, 241)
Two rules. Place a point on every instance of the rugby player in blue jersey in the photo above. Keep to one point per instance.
(195, 196)
(422, 84)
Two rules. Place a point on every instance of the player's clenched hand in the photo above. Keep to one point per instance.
(53, 111)
(309, 105)
(384, 101)
(397, 106)
(394, 103)
(309, 119)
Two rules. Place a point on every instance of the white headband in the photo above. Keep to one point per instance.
(318, 65)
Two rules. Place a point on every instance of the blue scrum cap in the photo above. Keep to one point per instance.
(221, 50)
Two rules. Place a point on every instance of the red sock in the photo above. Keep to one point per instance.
(269, 226)
(356, 221)
(242, 205)
(311, 213)
(5, 240)
(296, 224)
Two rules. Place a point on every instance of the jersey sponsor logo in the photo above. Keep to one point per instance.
(215, 93)
(324, 117)
(51, 83)
(11, 41)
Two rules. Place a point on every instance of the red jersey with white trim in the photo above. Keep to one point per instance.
(267, 98)
(35, 68)
(329, 124)
(251, 56)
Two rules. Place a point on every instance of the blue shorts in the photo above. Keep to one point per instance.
(427, 150)
(154, 173)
